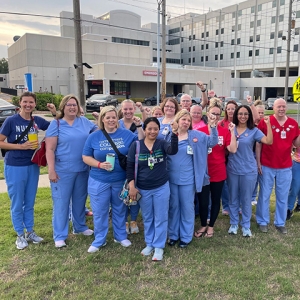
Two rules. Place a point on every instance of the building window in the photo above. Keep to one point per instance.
(194, 59)
(251, 24)
(252, 9)
(271, 50)
(296, 48)
(233, 15)
(202, 58)
(190, 37)
(194, 48)
(206, 58)
(231, 55)
(258, 38)
(181, 50)
(130, 41)
(250, 53)
(216, 44)
(206, 46)
(239, 26)
(272, 35)
(238, 41)
(273, 19)
(222, 30)
(250, 39)
(181, 40)
(274, 3)
(278, 49)
(216, 57)
(259, 7)
(221, 56)
(181, 62)
(258, 23)
(207, 33)
(217, 31)
(297, 31)
(233, 28)
(194, 36)
(174, 42)
(298, 14)
(232, 42)
(257, 52)
(202, 47)
(189, 49)
(222, 43)
(174, 30)
(280, 34)
(240, 12)
(238, 55)
(281, 18)
(189, 60)
(202, 35)
(1, 79)
(282, 2)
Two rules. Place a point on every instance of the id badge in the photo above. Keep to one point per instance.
(283, 134)
(165, 131)
(189, 150)
(237, 144)
(220, 140)
(151, 162)
(209, 150)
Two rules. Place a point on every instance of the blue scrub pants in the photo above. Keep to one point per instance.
(102, 196)
(133, 211)
(181, 212)
(254, 195)
(22, 183)
(295, 186)
(240, 191)
(283, 178)
(225, 196)
(69, 186)
(154, 206)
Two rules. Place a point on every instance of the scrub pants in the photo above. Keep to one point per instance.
(254, 195)
(102, 196)
(154, 206)
(22, 183)
(181, 212)
(240, 191)
(133, 211)
(69, 186)
(295, 186)
(225, 196)
(283, 178)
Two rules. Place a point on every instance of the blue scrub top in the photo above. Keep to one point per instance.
(243, 162)
(165, 131)
(180, 166)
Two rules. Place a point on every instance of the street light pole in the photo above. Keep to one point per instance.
(158, 53)
(163, 50)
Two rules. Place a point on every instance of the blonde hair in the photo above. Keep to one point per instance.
(102, 114)
(63, 104)
(127, 101)
(259, 104)
(215, 102)
(155, 108)
(181, 114)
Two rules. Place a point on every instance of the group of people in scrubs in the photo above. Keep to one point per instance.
(178, 160)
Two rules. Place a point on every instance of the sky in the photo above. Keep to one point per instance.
(13, 23)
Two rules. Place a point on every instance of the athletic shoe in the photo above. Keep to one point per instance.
(86, 232)
(289, 214)
(133, 227)
(281, 229)
(127, 228)
(183, 244)
(263, 228)
(254, 202)
(60, 244)
(147, 251)
(33, 237)
(93, 249)
(158, 254)
(125, 243)
(233, 229)
(246, 232)
(21, 242)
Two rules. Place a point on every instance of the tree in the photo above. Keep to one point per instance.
(3, 66)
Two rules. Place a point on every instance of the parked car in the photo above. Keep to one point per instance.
(289, 97)
(151, 101)
(6, 109)
(269, 103)
(100, 100)
(238, 102)
(195, 100)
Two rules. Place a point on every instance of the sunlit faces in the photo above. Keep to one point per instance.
(184, 122)
(27, 104)
(151, 131)
(71, 108)
(261, 112)
(230, 108)
(185, 102)
(128, 110)
(215, 111)
(157, 113)
(110, 120)
(243, 115)
(280, 108)
(196, 113)
(169, 108)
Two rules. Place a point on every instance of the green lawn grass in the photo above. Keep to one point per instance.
(265, 266)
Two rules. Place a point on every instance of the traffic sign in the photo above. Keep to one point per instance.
(296, 87)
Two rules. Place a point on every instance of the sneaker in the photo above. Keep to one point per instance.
(147, 251)
(93, 249)
(33, 237)
(225, 212)
(254, 202)
(246, 232)
(289, 214)
(158, 254)
(263, 228)
(233, 229)
(127, 228)
(133, 227)
(60, 244)
(281, 229)
(297, 208)
(86, 232)
(21, 242)
(125, 243)
(183, 244)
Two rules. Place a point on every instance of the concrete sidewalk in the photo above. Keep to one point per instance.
(43, 182)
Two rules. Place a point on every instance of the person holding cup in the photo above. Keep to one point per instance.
(105, 179)
(21, 175)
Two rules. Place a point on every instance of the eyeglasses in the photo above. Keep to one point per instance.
(171, 107)
(216, 115)
(243, 114)
(71, 104)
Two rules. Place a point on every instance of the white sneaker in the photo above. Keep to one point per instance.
(21, 242)
(254, 202)
(158, 254)
(93, 249)
(125, 243)
(33, 237)
(60, 244)
(86, 232)
(147, 251)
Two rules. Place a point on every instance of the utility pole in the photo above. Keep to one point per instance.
(158, 53)
(163, 50)
(288, 52)
(78, 52)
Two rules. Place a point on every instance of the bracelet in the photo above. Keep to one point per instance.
(99, 164)
(203, 91)
(138, 125)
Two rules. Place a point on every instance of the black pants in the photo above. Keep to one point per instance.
(214, 189)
